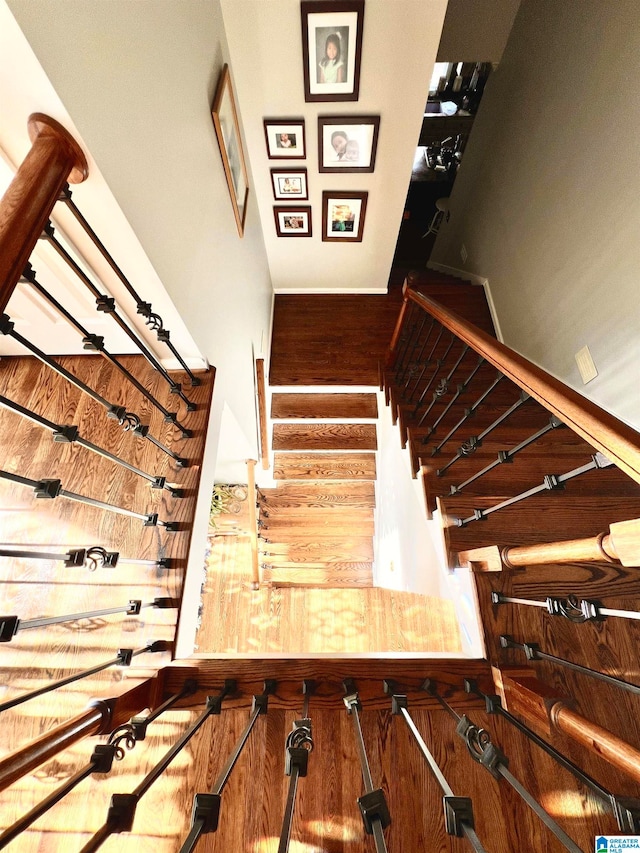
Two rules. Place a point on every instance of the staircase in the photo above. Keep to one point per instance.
(317, 525)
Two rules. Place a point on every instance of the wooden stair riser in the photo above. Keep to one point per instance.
(319, 490)
(346, 466)
(303, 528)
(356, 508)
(328, 550)
(358, 576)
(324, 437)
(356, 406)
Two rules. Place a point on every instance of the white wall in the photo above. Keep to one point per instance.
(400, 39)
(547, 201)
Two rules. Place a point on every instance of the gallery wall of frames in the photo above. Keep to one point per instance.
(331, 32)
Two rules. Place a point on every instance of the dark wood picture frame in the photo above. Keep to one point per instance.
(336, 26)
(343, 222)
(358, 139)
(292, 128)
(296, 191)
(227, 127)
(285, 218)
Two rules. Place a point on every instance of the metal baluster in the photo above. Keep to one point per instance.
(153, 320)
(443, 386)
(95, 343)
(408, 329)
(11, 625)
(373, 805)
(458, 811)
(626, 810)
(101, 761)
(419, 358)
(68, 434)
(416, 332)
(122, 808)
(90, 558)
(572, 608)
(439, 363)
(413, 361)
(532, 651)
(299, 745)
(107, 305)
(206, 807)
(123, 658)
(119, 413)
(51, 489)
(468, 413)
(482, 750)
(427, 362)
(459, 391)
(551, 482)
(475, 441)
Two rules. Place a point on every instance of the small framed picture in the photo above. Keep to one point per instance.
(290, 184)
(343, 216)
(347, 144)
(225, 122)
(285, 138)
(293, 221)
(331, 49)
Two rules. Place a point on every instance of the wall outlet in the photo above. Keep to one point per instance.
(587, 368)
(463, 253)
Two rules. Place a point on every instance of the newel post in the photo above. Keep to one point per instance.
(55, 158)
(392, 352)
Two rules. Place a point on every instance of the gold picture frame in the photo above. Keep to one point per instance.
(227, 127)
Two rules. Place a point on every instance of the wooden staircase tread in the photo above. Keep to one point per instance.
(327, 550)
(296, 405)
(329, 466)
(351, 509)
(325, 436)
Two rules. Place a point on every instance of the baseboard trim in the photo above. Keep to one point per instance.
(334, 291)
(472, 278)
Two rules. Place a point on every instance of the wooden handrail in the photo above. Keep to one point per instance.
(54, 158)
(253, 522)
(100, 717)
(619, 442)
(543, 706)
(261, 390)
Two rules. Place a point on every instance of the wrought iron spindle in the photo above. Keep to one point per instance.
(122, 808)
(443, 386)
(460, 390)
(11, 625)
(458, 811)
(482, 750)
(468, 413)
(572, 608)
(153, 320)
(551, 482)
(90, 558)
(107, 305)
(475, 441)
(206, 807)
(68, 434)
(299, 745)
(413, 360)
(532, 651)
(626, 810)
(438, 366)
(428, 361)
(373, 804)
(50, 489)
(95, 343)
(101, 761)
(123, 658)
(119, 413)
(414, 339)
(408, 329)
(419, 358)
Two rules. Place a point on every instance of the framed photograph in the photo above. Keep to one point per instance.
(343, 216)
(332, 48)
(293, 221)
(290, 184)
(347, 144)
(225, 121)
(285, 138)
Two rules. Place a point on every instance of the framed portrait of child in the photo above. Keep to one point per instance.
(347, 143)
(331, 49)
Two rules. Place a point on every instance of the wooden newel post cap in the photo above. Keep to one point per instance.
(41, 125)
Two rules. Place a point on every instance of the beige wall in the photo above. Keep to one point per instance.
(547, 201)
